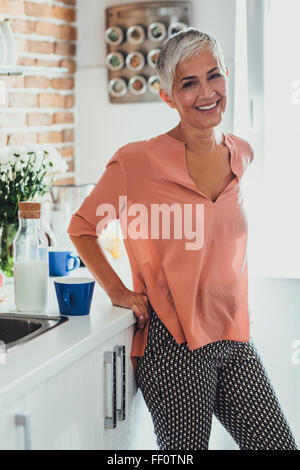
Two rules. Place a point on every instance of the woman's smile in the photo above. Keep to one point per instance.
(209, 108)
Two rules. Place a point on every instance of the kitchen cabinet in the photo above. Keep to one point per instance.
(69, 411)
(122, 435)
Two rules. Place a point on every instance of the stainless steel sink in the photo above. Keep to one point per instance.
(16, 329)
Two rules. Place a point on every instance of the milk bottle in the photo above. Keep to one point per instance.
(30, 261)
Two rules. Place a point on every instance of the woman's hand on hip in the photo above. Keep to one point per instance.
(138, 303)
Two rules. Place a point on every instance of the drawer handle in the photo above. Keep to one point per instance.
(24, 420)
(110, 422)
(120, 352)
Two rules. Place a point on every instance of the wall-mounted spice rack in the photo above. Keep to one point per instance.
(134, 35)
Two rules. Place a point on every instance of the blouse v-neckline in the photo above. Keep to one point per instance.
(190, 181)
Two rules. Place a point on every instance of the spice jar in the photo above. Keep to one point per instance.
(137, 85)
(135, 34)
(135, 61)
(117, 87)
(115, 61)
(176, 27)
(152, 57)
(154, 84)
(157, 31)
(114, 35)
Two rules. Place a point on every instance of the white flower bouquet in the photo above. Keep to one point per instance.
(26, 174)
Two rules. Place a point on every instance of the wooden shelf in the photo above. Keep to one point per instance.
(28, 70)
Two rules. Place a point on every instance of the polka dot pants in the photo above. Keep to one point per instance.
(183, 389)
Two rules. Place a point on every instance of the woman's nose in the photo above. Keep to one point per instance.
(206, 91)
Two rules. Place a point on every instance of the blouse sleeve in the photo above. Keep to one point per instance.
(94, 215)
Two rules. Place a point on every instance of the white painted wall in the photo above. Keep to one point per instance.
(103, 127)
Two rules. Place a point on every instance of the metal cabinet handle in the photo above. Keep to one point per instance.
(24, 420)
(120, 352)
(110, 358)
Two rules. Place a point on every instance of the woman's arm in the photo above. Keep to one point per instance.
(91, 253)
(84, 232)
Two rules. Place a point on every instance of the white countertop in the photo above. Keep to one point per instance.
(33, 362)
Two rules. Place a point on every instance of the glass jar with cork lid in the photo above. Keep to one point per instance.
(31, 265)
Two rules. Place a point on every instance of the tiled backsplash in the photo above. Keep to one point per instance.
(41, 108)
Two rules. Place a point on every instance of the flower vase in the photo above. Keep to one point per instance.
(8, 232)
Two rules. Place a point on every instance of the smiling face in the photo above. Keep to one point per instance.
(199, 83)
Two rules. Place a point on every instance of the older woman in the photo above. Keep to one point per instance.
(192, 350)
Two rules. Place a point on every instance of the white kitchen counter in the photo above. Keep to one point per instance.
(36, 361)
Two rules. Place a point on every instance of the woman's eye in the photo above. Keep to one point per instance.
(188, 84)
(215, 75)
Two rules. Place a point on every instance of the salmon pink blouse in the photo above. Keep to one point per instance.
(198, 290)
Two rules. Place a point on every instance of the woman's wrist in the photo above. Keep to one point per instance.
(116, 291)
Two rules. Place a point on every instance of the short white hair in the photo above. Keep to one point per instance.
(181, 47)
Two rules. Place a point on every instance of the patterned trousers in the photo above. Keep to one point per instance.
(183, 389)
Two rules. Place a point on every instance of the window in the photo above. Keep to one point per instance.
(271, 123)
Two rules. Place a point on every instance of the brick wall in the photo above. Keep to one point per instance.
(41, 108)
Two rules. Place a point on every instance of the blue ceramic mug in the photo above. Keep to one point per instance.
(74, 295)
(61, 262)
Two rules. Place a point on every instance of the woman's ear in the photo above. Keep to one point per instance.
(166, 98)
